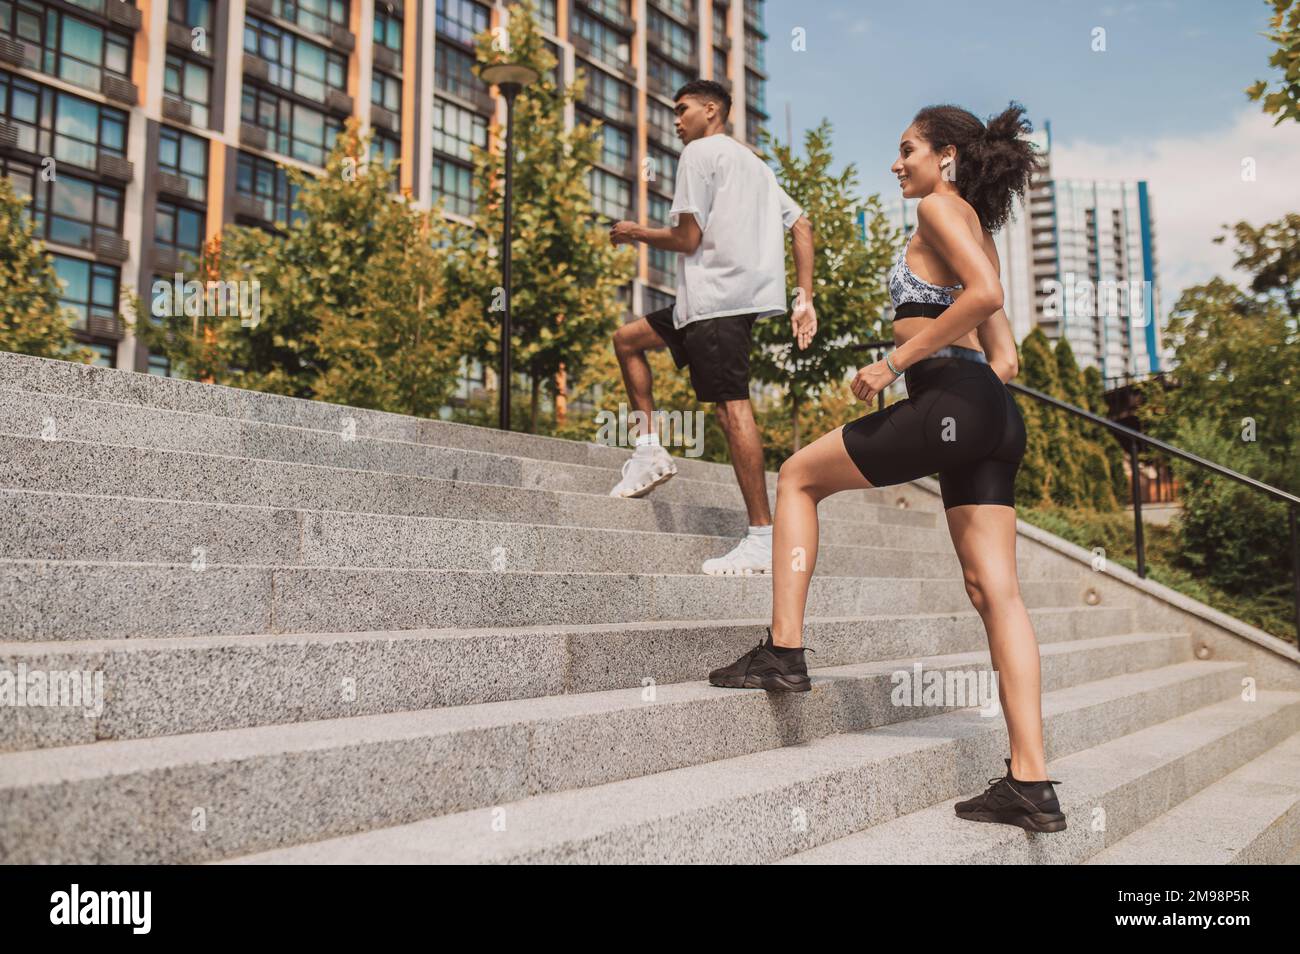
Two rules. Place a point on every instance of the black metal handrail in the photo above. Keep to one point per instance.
(1132, 439)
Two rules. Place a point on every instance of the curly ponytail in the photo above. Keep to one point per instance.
(994, 162)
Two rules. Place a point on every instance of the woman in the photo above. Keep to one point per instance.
(953, 346)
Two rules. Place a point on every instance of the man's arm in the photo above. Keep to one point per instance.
(684, 237)
(801, 234)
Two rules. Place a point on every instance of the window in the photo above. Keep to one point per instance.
(191, 82)
(546, 16)
(664, 165)
(659, 117)
(719, 65)
(296, 64)
(454, 72)
(455, 183)
(719, 21)
(665, 78)
(160, 365)
(387, 150)
(670, 36)
(54, 123)
(263, 180)
(386, 91)
(388, 27)
(681, 8)
(461, 19)
(610, 195)
(295, 130)
(609, 96)
(455, 130)
(652, 299)
(191, 13)
(606, 43)
(755, 92)
(616, 10)
(67, 210)
(754, 49)
(185, 155)
(753, 122)
(754, 13)
(318, 16)
(178, 229)
(616, 146)
(87, 288)
(65, 46)
(661, 261)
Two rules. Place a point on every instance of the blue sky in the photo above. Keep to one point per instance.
(1163, 102)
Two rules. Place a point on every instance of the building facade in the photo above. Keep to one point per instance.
(141, 129)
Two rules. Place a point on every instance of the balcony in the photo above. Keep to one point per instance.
(167, 261)
(260, 6)
(112, 248)
(114, 168)
(387, 58)
(615, 114)
(12, 51)
(173, 185)
(177, 110)
(252, 136)
(123, 14)
(690, 18)
(625, 168)
(250, 207)
(606, 12)
(118, 89)
(657, 276)
(342, 37)
(338, 101)
(383, 118)
(256, 67)
(584, 46)
(105, 326)
(722, 41)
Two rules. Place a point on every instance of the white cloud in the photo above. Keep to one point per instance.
(1196, 185)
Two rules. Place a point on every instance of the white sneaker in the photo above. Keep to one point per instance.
(648, 467)
(751, 555)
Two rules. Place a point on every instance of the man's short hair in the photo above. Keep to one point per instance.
(707, 89)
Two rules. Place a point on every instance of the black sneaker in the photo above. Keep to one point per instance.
(1031, 805)
(762, 668)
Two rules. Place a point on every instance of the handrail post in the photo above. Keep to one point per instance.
(1138, 538)
(1295, 568)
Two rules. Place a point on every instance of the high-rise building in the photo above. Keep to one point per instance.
(1078, 260)
(140, 129)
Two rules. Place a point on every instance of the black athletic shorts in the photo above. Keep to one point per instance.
(958, 420)
(715, 349)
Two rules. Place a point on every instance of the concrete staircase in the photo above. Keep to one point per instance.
(337, 635)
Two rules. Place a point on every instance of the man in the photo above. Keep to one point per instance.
(728, 215)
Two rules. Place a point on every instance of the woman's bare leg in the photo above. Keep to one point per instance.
(985, 539)
(808, 476)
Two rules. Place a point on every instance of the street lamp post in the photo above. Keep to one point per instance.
(510, 78)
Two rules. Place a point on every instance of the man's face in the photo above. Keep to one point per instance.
(693, 117)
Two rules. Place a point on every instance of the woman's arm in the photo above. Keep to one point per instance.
(999, 345)
(943, 226)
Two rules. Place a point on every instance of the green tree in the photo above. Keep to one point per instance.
(351, 298)
(848, 290)
(31, 319)
(565, 274)
(1284, 101)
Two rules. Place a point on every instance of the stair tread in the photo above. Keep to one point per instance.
(543, 822)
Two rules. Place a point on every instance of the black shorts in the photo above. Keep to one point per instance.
(715, 349)
(958, 420)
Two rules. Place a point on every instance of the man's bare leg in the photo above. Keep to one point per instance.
(746, 444)
(631, 342)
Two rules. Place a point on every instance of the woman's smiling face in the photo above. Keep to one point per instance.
(917, 166)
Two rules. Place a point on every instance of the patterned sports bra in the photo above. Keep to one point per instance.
(906, 288)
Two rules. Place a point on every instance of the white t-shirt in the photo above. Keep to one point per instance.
(739, 265)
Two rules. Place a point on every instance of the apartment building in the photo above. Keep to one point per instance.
(141, 129)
